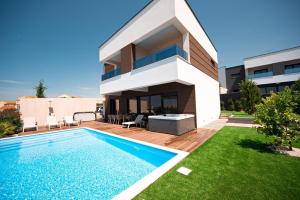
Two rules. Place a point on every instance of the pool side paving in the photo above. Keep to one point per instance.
(186, 142)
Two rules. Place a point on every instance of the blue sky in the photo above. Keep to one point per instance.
(57, 40)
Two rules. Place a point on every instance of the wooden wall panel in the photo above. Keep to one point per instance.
(127, 58)
(202, 60)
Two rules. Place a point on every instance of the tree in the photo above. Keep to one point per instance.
(238, 105)
(250, 96)
(296, 88)
(275, 117)
(230, 104)
(40, 89)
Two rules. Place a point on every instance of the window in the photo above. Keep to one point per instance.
(236, 75)
(236, 90)
(170, 104)
(144, 104)
(132, 105)
(292, 66)
(260, 71)
(155, 107)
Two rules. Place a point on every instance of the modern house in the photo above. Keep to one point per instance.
(161, 62)
(271, 72)
(274, 71)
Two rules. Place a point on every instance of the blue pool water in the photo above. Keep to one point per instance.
(73, 164)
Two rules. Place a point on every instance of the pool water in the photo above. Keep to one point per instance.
(74, 164)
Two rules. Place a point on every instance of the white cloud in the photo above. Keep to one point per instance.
(11, 82)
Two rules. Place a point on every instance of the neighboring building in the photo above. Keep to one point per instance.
(271, 72)
(4, 105)
(161, 61)
(234, 76)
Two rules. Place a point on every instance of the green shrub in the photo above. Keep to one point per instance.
(238, 105)
(276, 118)
(12, 116)
(250, 96)
(6, 128)
(230, 104)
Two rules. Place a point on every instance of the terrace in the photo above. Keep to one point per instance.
(186, 142)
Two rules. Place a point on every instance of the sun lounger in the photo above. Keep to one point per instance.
(138, 120)
(29, 122)
(69, 121)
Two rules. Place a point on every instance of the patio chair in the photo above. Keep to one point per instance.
(69, 121)
(138, 120)
(51, 121)
(118, 119)
(29, 122)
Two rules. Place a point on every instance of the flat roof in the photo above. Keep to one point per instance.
(142, 10)
(273, 52)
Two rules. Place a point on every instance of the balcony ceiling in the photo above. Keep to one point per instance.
(167, 34)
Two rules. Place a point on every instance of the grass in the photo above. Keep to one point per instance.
(238, 114)
(235, 164)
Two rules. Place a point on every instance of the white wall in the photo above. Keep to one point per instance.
(39, 107)
(206, 92)
(188, 20)
(271, 58)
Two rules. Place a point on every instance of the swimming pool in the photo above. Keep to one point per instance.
(80, 164)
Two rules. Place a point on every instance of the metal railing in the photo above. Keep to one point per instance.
(292, 70)
(111, 74)
(260, 75)
(160, 55)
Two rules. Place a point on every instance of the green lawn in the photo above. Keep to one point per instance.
(235, 164)
(238, 114)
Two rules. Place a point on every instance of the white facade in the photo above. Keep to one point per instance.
(275, 57)
(158, 15)
(151, 23)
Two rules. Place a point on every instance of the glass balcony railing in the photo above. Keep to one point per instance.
(292, 70)
(160, 55)
(111, 74)
(260, 75)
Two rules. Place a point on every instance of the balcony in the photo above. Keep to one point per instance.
(260, 75)
(160, 55)
(111, 74)
(292, 70)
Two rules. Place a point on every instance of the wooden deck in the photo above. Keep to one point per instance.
(186, 142)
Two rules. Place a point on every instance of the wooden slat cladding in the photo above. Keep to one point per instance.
(127, 58)
(202, 60)
(108, 67)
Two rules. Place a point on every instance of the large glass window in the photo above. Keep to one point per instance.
(155, 107)
(170, 104)
(132, 105)
(144, 104)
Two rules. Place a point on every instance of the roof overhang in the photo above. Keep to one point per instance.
(152, 19)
